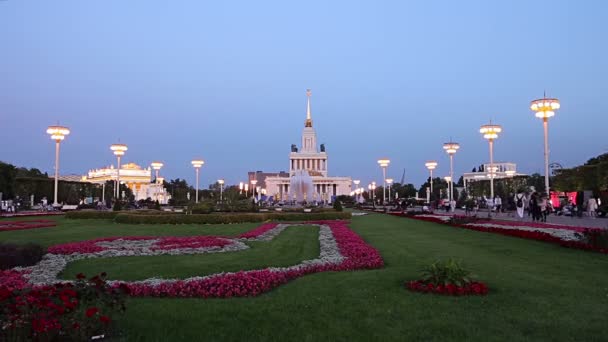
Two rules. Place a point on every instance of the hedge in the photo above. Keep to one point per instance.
(227, 218)
(19, 255)
(96, 215)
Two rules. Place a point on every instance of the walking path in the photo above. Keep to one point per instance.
(584, 221)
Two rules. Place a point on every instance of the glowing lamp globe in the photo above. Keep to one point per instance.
(451, 147)
(57, 133)
(220, 181)
(118, 149)
(431, 165)
(544, 108)
(157, 165)
(490, 131)
(198, 163)
(383, 162)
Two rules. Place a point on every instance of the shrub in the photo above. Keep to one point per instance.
(220, 218)
(446, 272)
(338, 205)
(61, 312)
(95, 215)
(19, 255)
(117, 206)
(204, 207)
(460, 220)
(597, 238)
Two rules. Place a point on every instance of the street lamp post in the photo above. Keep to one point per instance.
(356, 182)
(451, 148)
(544, 109)
(384, 164)
(57, 133)
(448, 180)
(119, 151)
(156, 166)
(221, 182)
(431, 165)
(490, 132)
(253, 183)
(389, 181)
(197, 164)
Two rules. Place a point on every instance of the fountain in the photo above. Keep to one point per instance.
(300, 187)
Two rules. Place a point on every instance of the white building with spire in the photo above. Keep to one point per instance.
(314, 161)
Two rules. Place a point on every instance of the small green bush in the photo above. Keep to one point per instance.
(117, 206)
(95, 215)
(205, 207)
(221, 218)
(338, 205)
(597, 238)
(19, 255)
(446, 272)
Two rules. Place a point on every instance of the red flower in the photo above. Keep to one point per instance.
(80, 276)
(104, 319)
(92, 311)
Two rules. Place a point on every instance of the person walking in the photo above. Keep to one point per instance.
(592, 207)
(543, 208)
(534, 207)
(520, 199)
(498, 204)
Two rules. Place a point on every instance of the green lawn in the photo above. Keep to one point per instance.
(539, 291)
(79, 230)
(292, 246)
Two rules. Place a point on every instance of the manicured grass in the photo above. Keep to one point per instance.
(292, 246)
(69, 230)
(539, 291)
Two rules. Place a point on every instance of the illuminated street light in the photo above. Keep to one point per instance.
(431, 165)
(490, 132)
(58, 134)
(389, 181)
(197, 164)
(253, 183)
(545, 108)
(451, 148)
(119, 151)
(383, 164)
(221, 182)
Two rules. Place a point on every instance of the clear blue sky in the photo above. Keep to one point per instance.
(226, 80)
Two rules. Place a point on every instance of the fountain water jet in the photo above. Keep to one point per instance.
(301, 187)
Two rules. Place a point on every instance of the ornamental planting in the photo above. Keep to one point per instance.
(340, 250)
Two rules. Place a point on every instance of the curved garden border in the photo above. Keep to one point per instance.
(340, 250)
(565, 236)
(22, 225)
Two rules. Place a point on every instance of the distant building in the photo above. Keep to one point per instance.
(502, 170)
(313, 160)
(138, 179)
(260, 176)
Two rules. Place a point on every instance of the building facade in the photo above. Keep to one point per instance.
(136, 178)
(502, 170)
(313, 159)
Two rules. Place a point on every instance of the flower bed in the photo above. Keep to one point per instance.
(20, 225)
(340, 250)
(566, 236)
(353, 253)
(74, 311)
(151, 242)
(474, 288)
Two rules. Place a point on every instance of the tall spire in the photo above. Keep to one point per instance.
(308, 116)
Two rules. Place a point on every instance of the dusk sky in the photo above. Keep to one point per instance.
(226, 81)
